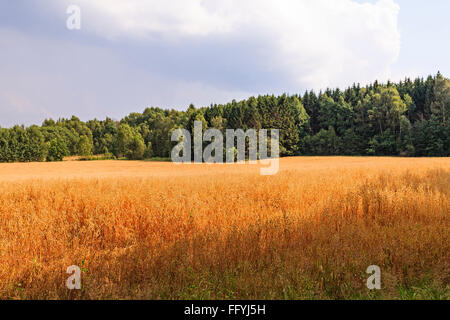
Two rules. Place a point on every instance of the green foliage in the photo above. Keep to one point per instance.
(429, 138)
(136, 148)
(84, 146)
(36, 148)
(325, 143)
(409, 118)
(130, 144)
(57, 150)
(441, 104)
(22, 145)
(122, 140)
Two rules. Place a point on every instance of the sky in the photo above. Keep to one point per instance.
(133, 54)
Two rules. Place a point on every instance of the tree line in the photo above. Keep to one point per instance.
(409, 118)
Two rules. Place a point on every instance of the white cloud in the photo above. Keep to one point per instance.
(315, 43)
(171, 53)
(47, 78)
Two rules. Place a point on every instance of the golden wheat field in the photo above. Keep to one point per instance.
(145, 230)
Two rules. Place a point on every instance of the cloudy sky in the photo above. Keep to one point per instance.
(131, 54)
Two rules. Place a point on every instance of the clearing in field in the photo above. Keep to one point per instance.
(148, 230)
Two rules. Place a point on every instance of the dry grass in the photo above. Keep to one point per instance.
(159, 231)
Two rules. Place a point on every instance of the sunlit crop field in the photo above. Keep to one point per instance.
(144, 230)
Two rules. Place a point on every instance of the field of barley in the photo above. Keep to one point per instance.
(146, 230)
